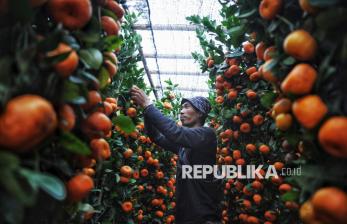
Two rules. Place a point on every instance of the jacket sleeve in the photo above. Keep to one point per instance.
(158, 138)
(183, 136)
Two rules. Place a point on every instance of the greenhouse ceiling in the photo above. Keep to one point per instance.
(168, 41)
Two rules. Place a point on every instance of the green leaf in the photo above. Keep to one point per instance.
(73, 144)
(236, 34)
(50, 42)
(8, 161)
(125, 123)
(74, 93)
(103, 77)
(289, 61)
(111, 43)
(85, 207)
(290, 196)
(91, 33)
(247, 14)
(50, 184)
(13, 186)
(236, 53)
(92, 58)
(268, 99)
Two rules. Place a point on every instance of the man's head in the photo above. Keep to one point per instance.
(194, 111)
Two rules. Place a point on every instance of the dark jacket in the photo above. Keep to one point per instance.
(197, 200)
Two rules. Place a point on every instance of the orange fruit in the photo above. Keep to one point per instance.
(250, 148)
(88, 171)
(257, 185)
(284, 121)
(300, 45)
(307, 215)
(333, 136)
(100, 148)
(283, 105)
(67, 118)
(257, 198)
(240, 162)
(309, 110)
(126, 171)
(270, 216)
(128, 153)
(330, 205)
(144, 172)
(209, 62)
(131, 112)
(96, 125)
(127, 206)
(228, 159)
(219, 78)
(283, 188)
(219, 99)
(268, 9)
(259, 50)
(231, 71)
(159, 214)
(267, 73)
(67, 66)
(237, 119)
(107, 108)
(78, 187)
(72, 14)
(251, 94)
(246, 203)
(227, 85)
(264, 149)
(167, 105)
(300, 80)
(115, 8)
(252, 220)
(245, 128)
(110, 26)
(248, 47)
(148, 154)
(236, 154)
(93, 99)
(258, 120)
(25, 122)
(159, 175)
(278, 166)
(232, 94)
(307, 7)
(111, 68)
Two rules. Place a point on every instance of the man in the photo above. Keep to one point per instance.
(197, 200)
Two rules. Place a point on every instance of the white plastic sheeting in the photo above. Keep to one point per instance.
(168, 45)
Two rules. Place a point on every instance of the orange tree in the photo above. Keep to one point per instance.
(242, 102)
(55, 57)
(304, 63)
(137, 184)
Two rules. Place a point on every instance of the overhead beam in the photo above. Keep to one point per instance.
(179, 73)
(169, 56)
(174, 27)
(187, 89)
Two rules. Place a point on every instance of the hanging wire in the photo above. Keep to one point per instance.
(155, 46)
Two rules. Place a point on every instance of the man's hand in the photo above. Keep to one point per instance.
(139, 97)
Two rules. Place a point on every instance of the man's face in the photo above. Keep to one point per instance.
(189, 116)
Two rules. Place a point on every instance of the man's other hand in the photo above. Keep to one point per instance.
(139, 97)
